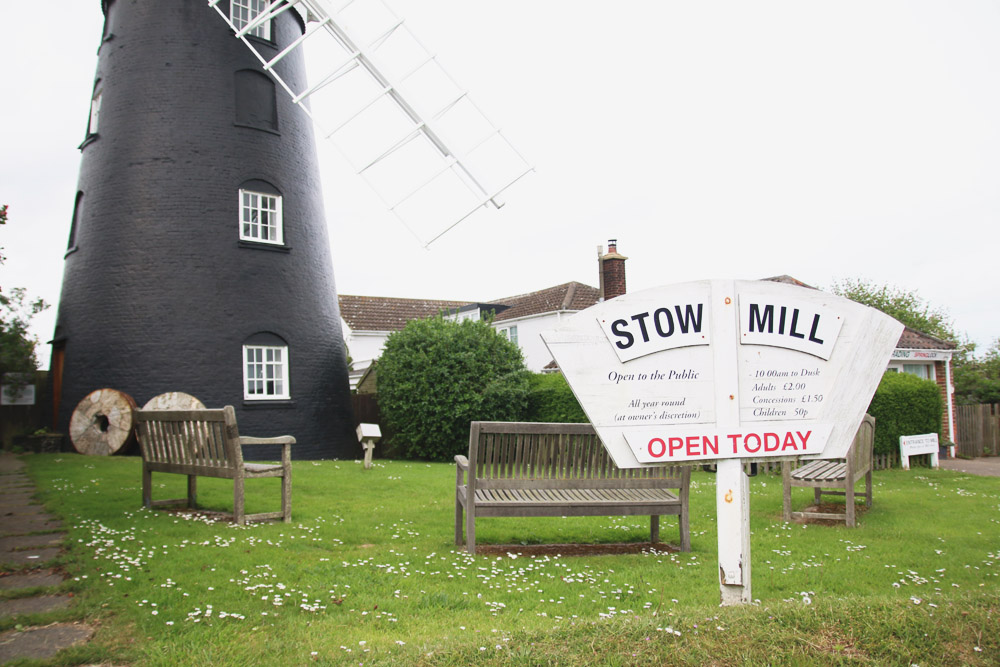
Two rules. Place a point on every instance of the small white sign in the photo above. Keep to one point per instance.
(17, 394)
(915, 445)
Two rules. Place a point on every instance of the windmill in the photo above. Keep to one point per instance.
(198, 258)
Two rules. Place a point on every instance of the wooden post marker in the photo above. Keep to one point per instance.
(368, 434)
(726, 371)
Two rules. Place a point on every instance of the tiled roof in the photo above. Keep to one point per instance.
(914, 340)
(383, 313)
(568, 296)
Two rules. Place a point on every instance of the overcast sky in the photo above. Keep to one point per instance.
(827, 141)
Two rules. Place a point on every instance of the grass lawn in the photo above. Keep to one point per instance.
(367, 574)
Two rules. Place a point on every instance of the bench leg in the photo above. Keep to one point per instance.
(654, 529)
(786, 491)
(147, 487)
(868, 489)
(470, 528)
(685, 530)
(817, 495)
(192, 491)
(286, 496)
(458, 519)
(238, 515)
(849, 499)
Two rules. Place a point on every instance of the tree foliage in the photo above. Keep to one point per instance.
(907, 307)
(17, 346)
(435, 376)
(978, 379)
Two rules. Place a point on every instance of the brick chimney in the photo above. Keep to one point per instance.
(612, 271)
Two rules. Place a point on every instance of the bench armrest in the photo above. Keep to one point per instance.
(286, 451)
(280, 440)
(461, 468)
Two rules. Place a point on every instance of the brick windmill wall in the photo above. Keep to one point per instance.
(198, 252)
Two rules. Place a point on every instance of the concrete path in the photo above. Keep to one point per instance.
(986, 466)
(30, 538)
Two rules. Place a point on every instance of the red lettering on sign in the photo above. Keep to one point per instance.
(804, 438)
(675, 444)
(746, 443)
(712, 445)
(663, 448)
(692, 445)
(734, 437)
(789, 442)
(771, 442)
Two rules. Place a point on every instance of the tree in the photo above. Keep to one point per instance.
(17, 346)
(907, 307)
(978, 379)
(437, 375)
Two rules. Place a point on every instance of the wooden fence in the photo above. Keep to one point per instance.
(978, 429)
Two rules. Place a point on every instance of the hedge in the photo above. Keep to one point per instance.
(904, 405)
(551, 400)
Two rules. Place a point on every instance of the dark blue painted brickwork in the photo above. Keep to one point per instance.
(159, 294)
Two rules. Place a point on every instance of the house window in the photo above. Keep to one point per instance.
(242, 12)
(510, 334)
(920, 370)
(265, 372)
(260, 217)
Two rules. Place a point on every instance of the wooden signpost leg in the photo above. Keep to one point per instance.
(732, 497)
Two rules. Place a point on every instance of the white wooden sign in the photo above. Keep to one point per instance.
(915, 445)
(724, 369)
(727, 371)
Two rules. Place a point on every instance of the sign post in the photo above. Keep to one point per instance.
(725, 371)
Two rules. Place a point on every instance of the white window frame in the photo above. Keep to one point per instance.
(95, 111)
(242, 12)
(265, 372)
(261, 217)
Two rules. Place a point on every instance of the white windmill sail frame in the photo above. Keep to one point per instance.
(443, 161)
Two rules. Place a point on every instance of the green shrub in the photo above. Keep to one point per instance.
(551, 400)
(436, 375)
(904, 405)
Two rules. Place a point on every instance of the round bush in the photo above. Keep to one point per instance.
(435, 376)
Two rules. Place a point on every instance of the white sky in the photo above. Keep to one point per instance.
(856, 139)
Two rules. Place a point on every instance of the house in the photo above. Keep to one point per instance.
(367, 321)
(929, 358)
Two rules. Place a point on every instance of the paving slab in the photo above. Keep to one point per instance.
(29, 557)
(38, 604)
(15, 524)
(42, 643)
(9, 463)
(19, 542)
(32, 579)
(26, 511)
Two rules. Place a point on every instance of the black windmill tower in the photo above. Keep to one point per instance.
(198, 258)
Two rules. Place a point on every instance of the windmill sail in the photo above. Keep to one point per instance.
(399, 119)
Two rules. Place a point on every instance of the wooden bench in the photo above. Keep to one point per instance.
(833, 474)
(206, 443)
(519, 469)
